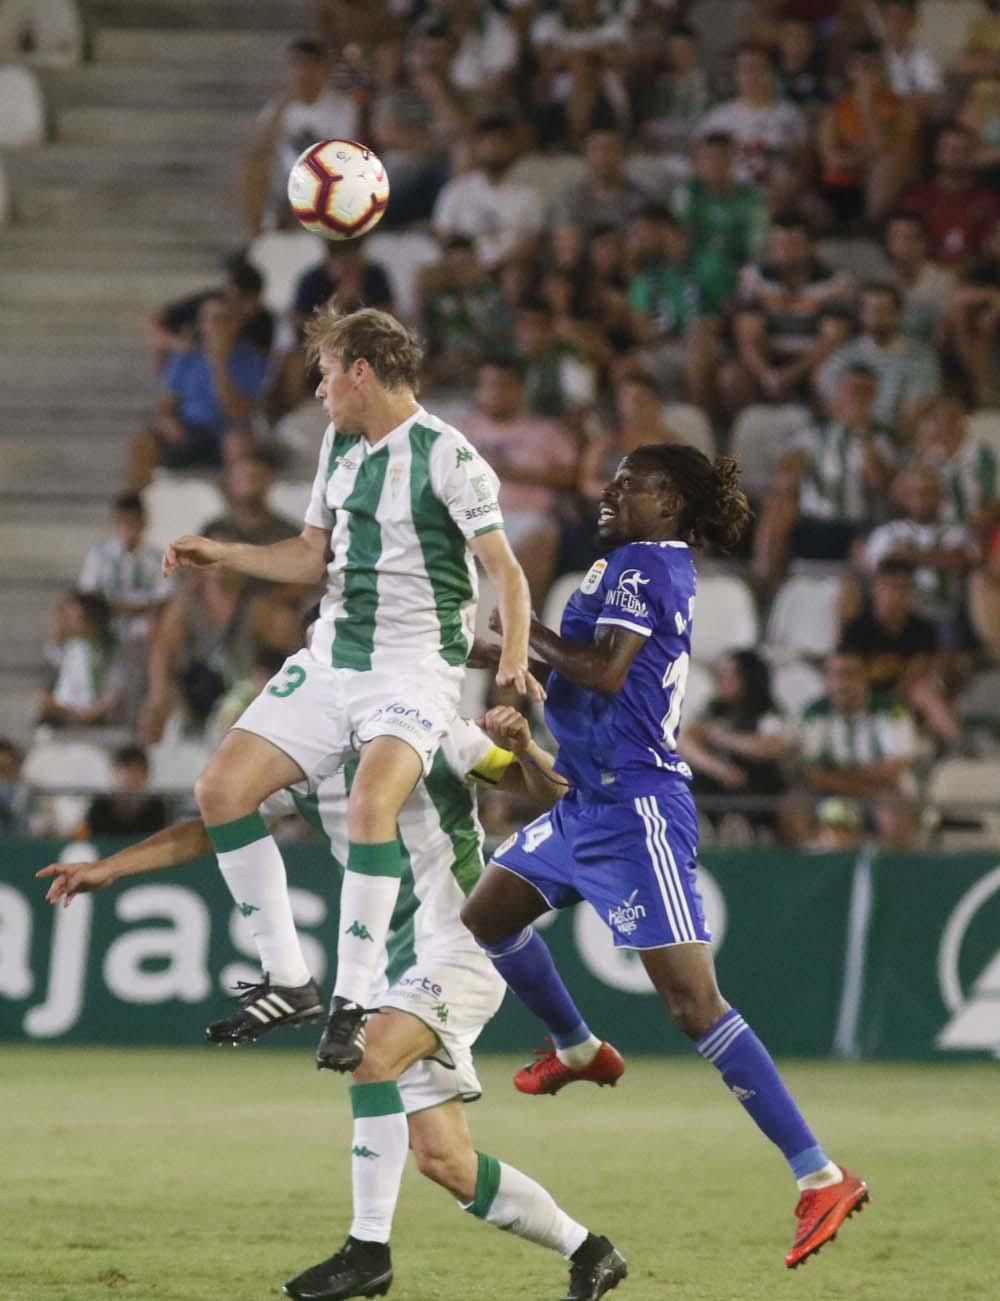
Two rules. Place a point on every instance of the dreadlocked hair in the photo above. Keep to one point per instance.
(715, 512)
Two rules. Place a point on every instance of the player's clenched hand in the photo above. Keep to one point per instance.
(70, 879)
(516, 675)
(507, 728)
(191, 552)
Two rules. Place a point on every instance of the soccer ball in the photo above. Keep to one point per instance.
(338, 189)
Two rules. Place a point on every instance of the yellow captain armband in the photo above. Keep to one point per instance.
(490, 769)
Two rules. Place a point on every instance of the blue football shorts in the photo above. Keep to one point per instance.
(632, 860)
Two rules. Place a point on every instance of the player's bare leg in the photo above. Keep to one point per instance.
(499, 913)
(387, 773)
(684, 977)
(242, 773)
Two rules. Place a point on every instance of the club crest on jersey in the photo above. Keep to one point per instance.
(594, 575)
(481, 487)
(626, 594)
(396, 472)
(628, 913)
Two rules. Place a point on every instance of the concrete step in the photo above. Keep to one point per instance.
(62, 369)
(18, 703)
(52, 256)
(25, 616)
(189, 47)
(94, 238)
(206, 213)
(143, 289)
(48, 473)
(144, 85)
(290, 16)
(224, 128)
(39, 551)
(127, 165)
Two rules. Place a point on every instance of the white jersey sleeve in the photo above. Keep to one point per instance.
(318, 514)
(467, 485)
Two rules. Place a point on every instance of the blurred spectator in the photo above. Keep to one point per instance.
(88, 686)
(462, 313)
(836, 827)
(925, 287)
(127, 572)
(981, 56)
(801, 74)
(757, 119)
(900, 649)
(580, 46)
(941, 554)
(242, 693)
(965, 465)
(831, 483)
(856, 744)
(913, 71)
(736, 746)
(720, 216)
(558, 383)
(602, 283)
(781, 333)
(504, 218)
(958, 210)
(174, 327)
(309, 109)
(604, 197)
(908, 373)
(640, 419)
(416, 115)
(973, 323)
(246, 484)
(679, 96)
(984, 597)
(346, 278)
(15, 798)
(534, 458)
(675, 296)
(204, 415)
(980, 114)
(867, 142)
(129, 810)
(485, 48)
(202, 647)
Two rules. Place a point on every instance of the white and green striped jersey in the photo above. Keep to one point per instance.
(970, 480)
(441, 837)
(828, 739)
(833, 486)
(401, 583)
(937, 593)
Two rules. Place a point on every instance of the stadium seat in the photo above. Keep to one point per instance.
(22, 108)
(290, 498)
(725, 617)
(403, 254)
(43, 33)
(281, 256)
(985, 425)
(176, 505)
(760, 435)
(803, 618)
(795, 685)
(954, 785)
(862, 259)
(54, 765)
(691, 425)
(548, 174)
(559, 593)
(175, 765)
(944, 26)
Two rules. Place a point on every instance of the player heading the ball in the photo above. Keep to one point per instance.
(400, 504)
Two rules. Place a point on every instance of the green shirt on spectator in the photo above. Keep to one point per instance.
(730, 224)
(674, 296)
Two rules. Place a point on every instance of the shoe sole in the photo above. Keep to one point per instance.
(340, 1067)
(378, 1287)
(296, 1022)
(863, 1199)
(551, 1093)
(615, 1272)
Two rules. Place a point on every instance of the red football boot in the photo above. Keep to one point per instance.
(821, 1212)
(547, 1074)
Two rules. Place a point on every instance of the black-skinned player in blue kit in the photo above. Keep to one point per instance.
(625, 836)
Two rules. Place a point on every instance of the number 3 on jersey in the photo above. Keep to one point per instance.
(294, 678)
(674, 684)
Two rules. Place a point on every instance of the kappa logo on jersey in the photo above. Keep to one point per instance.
(594, 575)
(365, 1151)
(626, 594)
(247, 908)
(360, 931)
(974, 1011)
(462, 455)
(441, 1012)
(628, 913)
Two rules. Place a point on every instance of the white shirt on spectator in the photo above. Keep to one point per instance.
(936, 593)
(497, 216)
(334, 116)
(550, 29)
(86, 674)
(914, 72)
(755, 131)
(126, 578)
(488, 49)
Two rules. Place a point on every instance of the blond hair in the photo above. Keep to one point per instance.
(389, 348)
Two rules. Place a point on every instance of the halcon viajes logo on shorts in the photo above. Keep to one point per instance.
(626, 915)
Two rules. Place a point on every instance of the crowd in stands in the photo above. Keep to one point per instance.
(774, 222)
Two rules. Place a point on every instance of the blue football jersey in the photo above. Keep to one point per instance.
(626, 744)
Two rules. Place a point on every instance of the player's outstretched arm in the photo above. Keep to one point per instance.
(507, 576)
(486, 655)
(293, 560)
(600, 665)
(534, 771)
(171, 847)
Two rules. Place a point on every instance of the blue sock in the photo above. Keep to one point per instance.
(747, 1069)
(526, 964)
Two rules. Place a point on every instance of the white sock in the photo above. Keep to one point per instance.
(580, 1055)
(252, 868)
(831, 1173)
(510, 1200)
(367, 903)
(378, 1155)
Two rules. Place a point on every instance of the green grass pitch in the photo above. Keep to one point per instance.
(169, 1175)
